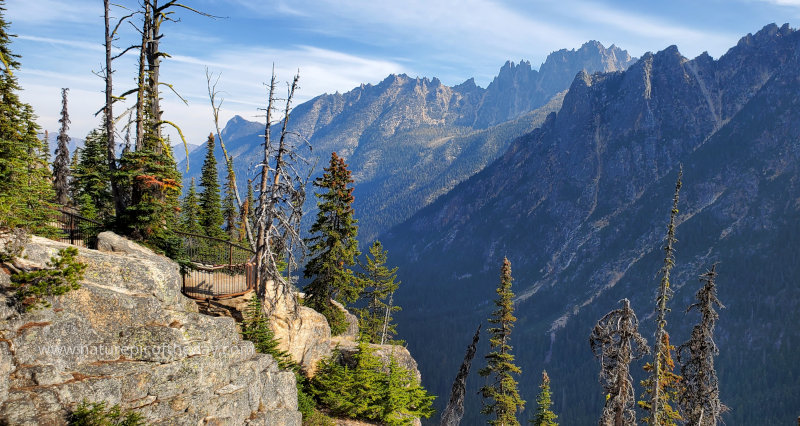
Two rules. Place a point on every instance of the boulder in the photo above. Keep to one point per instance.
(129, 337)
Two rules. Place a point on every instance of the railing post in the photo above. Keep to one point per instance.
(230, 255)
(71, 229)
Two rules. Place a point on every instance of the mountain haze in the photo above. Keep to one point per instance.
(408, 140)
(580, 207)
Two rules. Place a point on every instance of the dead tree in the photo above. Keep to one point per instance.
(616, 341)
(61, 162)
(108, 109)
(280, 204)
(452, 415)
(699, 400)
(660, 352)
(215, 106)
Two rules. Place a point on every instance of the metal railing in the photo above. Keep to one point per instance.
(217, 268)
(76, 229)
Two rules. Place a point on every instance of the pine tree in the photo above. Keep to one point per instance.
(615, 341)
(229, 206)
(190, 211)
(366, 390)
(61, 162)
(332, 385)
(256, 329)
(25, 188)
(502, 395)
(544, 415)
(247, 212)
(403, 399)
(210, 219)
(699, 399)
(662, 385)
(378, 282)
(333, 246)
(91, 178)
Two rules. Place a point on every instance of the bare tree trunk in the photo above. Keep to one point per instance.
(454, 412)
(146, 33)
(108, 115)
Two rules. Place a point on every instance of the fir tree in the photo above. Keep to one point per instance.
(61, 162)
(502, 395)
(91, 178)
(403, 399)
(25, 188)
(210, 218)
(333, 246)
(332, 385)
(699, 399)
(229, 205)
(616, 341)
(366, 390)
(256, 329)
(663, 383)
(378, 282)
(544, 415)
(190, 211)
(247, 212)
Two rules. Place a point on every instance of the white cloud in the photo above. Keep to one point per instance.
(52, 11)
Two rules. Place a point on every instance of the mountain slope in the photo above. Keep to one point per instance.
(408, 140)
(580, 208)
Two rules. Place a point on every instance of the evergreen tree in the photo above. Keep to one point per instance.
(190, 211)
(332, 385)
(229, 206)
(615, 341)
(210, 218)
(366, 390)
(91, 178)
(403, 399)
(256, 329)
(699, 399)
(333, 246)
(662, 385)
(544, 415)
(378, 282)
(25, 188)
(46, 147)
(61, 163)
(502, 395)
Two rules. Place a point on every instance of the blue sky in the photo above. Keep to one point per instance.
(337, 45)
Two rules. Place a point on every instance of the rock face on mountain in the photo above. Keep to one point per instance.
(129, 337)
(580, 208)
(408, 140)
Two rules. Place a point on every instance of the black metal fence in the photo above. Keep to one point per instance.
(77, 230)
(217, 269)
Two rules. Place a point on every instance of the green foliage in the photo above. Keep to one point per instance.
(378, 283)
(544, 415)
(502, 395)
(255, 328)
(25, 191)
(96, 414)
(190, 211)
(404, 397)
(91, 179)
(210, 218)
(61, 276)
(61, 163)
(368, 391)
(333, 246)
(150, 173)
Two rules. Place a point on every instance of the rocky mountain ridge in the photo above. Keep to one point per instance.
(580, 206)
(408, 140)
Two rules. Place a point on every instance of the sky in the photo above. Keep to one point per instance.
(338, 45)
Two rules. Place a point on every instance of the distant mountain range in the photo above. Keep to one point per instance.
(580, 207)
(408, 140)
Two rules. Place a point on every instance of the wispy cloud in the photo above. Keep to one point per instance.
(52, 11)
